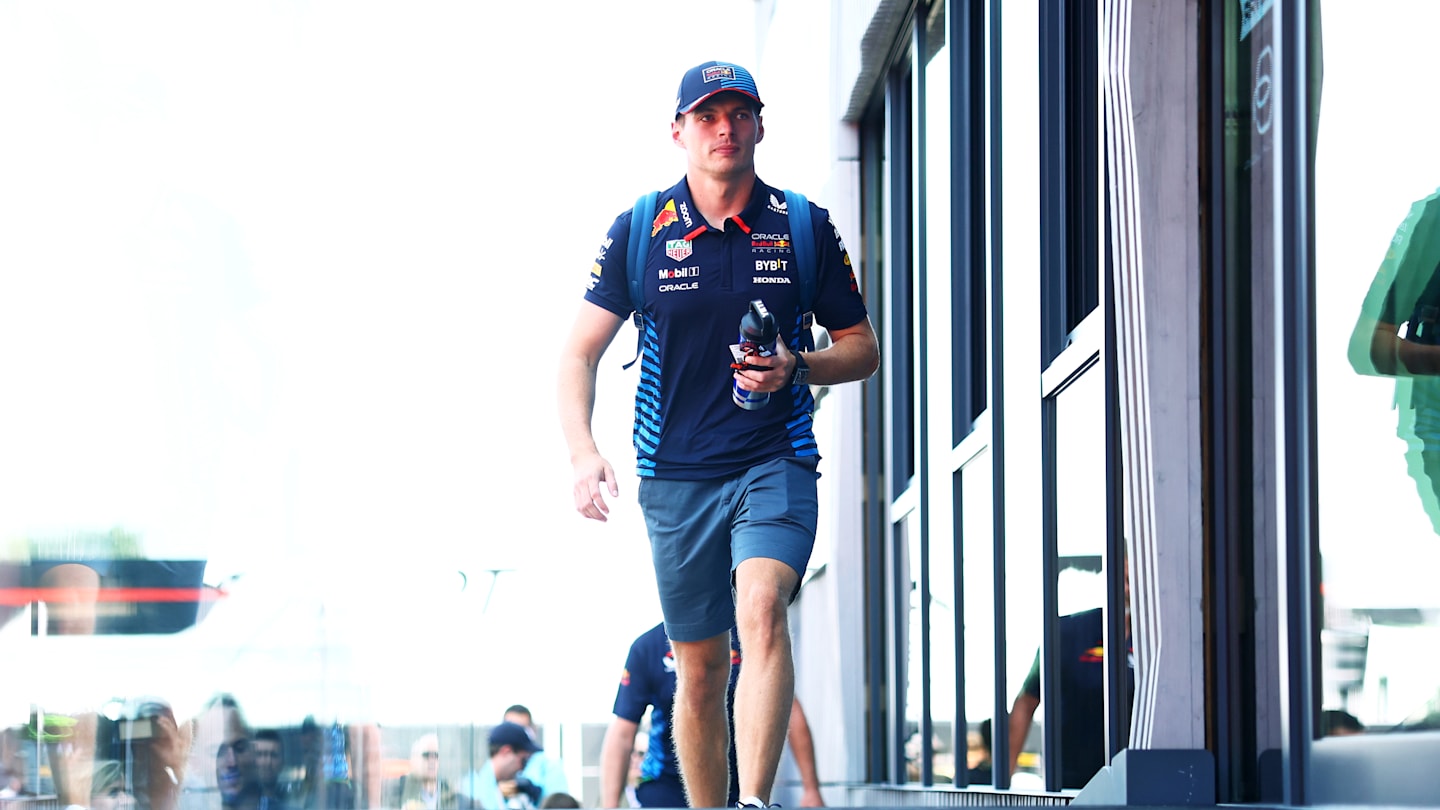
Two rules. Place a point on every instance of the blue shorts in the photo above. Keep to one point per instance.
(700, 531)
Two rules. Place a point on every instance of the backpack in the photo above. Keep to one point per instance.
(802, 235)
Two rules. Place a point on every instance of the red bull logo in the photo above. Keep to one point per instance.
(667, 216)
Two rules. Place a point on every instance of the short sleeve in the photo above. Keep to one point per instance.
(1031, 686)
(607, 286)
(636, 691)
(838, 303)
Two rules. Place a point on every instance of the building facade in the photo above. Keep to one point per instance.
(1148, 282)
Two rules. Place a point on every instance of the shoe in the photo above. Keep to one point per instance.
(753, 801)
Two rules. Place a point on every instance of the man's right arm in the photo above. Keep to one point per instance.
(1389, 354)
(592, 332)
(615, 760)
(1022, 715)
(802, 747)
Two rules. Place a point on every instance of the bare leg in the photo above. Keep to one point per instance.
(766, 689)
(702, 734)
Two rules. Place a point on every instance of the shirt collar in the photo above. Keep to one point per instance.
(760, 196)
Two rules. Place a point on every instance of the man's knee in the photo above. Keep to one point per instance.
(702, 668)
(760, 614)
(762, 595)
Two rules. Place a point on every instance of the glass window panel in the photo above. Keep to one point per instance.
(942, 656)
(915, 668)
(978, 527)
(937, 204)
(903, 310)
(1024, 618)
(942, 675)
(914, 652)
(1081, 532)
(1377, 289)
(1080, 542)
(1019, 182)
(1080, 491)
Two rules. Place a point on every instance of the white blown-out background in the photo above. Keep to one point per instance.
(283, 289)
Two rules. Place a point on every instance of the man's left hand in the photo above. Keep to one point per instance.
(768, 374)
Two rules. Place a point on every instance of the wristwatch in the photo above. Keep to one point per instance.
(802, 370)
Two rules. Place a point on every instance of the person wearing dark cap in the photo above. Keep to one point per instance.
(495, 786)
(728, 493)
(544, 770)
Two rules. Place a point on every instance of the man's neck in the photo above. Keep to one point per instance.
(719, 199)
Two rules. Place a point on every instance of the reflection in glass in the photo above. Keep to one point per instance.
(1080, 496)
(1018, 180)
(1081, 500)
(1024, 617)
(939, 259)
(1398, 335)
(942, 657)
(915, 663)
(976, 490)
(1081, 525)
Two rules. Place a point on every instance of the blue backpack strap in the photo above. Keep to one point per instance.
(802, 235)
(637, 251)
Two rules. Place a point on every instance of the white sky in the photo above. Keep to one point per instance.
(283, 287)
(1375, 157)
(1359, 205)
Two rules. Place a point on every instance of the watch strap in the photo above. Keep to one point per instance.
(802, 371)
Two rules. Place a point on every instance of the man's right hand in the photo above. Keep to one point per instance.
(591, 473)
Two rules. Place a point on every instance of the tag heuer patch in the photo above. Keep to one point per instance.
(678, 249)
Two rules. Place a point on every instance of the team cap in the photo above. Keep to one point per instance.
(707, 79)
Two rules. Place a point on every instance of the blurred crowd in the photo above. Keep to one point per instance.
(138, 754)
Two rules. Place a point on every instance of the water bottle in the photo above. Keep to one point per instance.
(757, 339)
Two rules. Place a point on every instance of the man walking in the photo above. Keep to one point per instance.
(728, 493)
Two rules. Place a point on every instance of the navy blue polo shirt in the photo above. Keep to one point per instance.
(699, 282)
(1082, 691)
